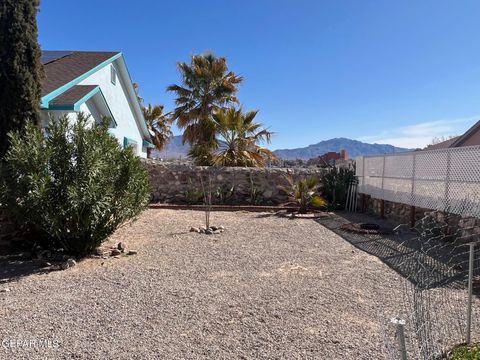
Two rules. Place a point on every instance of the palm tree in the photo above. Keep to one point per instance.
(158, 124)
(207, 85)
(239, 136)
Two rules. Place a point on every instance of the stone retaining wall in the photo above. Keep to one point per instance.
(400, 214)
(181, 183)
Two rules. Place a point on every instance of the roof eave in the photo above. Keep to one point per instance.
(47, 98)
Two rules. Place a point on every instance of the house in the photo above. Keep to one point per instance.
(330, 158)
(469, 138)
(98, 84)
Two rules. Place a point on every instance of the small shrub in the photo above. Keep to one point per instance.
(465, 353)
(225, 194)
(75, 184)
(255, 193)
(335, 186)
(193, 194)
(304, 193)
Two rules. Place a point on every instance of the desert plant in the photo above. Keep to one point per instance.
(255, 193)
(225, 194)
(335, 185)
(76, 184)
(239, 138)
(465, 352)
(207, 85)
(207, 190)
(303, 192)
(21, 70)
(193, 194)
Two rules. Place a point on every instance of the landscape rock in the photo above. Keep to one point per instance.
(68, 264)
(4, 290)
(194, 229)
(122, 246)
(208, 232)
(115, 252)
(132, 252)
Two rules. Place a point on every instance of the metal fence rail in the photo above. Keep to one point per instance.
(446, 179)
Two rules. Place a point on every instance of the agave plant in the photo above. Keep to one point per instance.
(303, 192)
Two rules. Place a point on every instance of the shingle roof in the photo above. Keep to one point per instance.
(461, 139)
(71, 96)
(443, 145)
(62, 70)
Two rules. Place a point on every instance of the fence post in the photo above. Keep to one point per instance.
(401, 336)
(471, 260)
(412, 195)
(446, 205)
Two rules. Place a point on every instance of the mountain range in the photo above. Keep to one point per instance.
(175, 149)
(354, 148)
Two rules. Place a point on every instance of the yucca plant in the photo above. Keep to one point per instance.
(303, 192)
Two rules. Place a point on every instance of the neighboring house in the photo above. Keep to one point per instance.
(330, 158)
(471, 137)
(98, 84)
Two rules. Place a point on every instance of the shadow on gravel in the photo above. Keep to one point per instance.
(14, 267)
(425, 264)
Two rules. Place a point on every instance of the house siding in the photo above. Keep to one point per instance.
(119, 104)
(121, 109)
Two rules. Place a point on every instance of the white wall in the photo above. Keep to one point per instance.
(120, 107)
(118, 103)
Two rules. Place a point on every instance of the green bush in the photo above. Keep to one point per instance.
(465, 353)
(335, 186)
(74, 182)
(303, 192)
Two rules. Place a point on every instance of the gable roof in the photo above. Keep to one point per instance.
(64, 70)
(442, 145)
(68, 66)
(461, 139)
(73, 95)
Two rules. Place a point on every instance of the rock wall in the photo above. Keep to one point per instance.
(467, 228)
(182, 184)
(398, 213)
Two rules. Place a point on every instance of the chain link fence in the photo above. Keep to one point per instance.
(439, 264)
(445, 179)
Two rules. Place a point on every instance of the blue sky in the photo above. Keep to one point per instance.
(399, 72)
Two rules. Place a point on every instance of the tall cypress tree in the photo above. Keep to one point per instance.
(21, 69)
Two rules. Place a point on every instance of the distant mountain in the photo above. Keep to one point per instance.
(174, 150)
(354, 147)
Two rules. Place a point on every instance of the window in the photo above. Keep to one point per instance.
(113, 75)
(127, 142)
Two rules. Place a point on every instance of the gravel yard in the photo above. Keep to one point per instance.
(268, 287)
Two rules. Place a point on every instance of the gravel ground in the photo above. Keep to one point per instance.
(268, 287)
